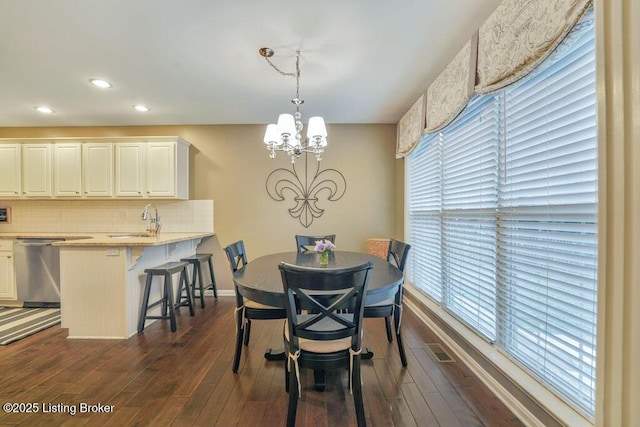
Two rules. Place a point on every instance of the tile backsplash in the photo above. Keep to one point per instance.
(106, 215)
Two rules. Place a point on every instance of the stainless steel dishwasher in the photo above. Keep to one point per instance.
(37, 268)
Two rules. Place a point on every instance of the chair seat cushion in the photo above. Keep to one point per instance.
(252, 304)
(320, 346)
(388, 301)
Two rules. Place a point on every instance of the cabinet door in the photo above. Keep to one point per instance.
(10, 170)
(97, 165)
(67, 169)
(7, 280)
(36, 170)
(130, 165)
(161, 169)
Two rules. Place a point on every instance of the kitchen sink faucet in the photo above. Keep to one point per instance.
(154, 225)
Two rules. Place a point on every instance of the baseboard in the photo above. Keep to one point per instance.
(10, 303)
(221, 293)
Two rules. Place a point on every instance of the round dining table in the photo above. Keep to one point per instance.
(260, 281)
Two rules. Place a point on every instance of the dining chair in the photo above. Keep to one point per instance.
(392, 307)
(246, 309)
(323, 329)
(304, 243)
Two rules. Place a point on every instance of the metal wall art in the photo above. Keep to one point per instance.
(306, 185)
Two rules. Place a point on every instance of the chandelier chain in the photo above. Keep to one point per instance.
(283, 73)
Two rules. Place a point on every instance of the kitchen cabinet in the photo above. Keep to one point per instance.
(95, 168)
(10, 170)
(130, 164)
(97, 162)
(67, 169)
(7, 276)
(157, 169)
(36, 170)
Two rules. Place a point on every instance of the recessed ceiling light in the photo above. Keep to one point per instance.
(141, 108)
(103, 84)
(44, 110)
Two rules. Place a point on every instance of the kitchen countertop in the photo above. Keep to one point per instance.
(113, 239)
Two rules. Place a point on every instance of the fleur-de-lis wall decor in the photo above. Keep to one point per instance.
(306, 185)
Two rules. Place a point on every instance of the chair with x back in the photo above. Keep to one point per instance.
(246, 309)
(397, 255)
(306, 243)
(324, 325)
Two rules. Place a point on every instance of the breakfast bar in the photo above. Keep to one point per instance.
(102, 278)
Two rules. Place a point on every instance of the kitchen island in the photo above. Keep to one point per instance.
(102, 277)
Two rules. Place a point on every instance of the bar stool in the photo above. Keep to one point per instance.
(197, 261)
(166, 270)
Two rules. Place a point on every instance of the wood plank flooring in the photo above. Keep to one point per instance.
(184, 379)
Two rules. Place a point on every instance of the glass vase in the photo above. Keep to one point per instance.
(324, 259)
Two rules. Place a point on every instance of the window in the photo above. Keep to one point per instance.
(502, 219)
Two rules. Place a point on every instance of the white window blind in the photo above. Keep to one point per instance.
(470, 200)
(548, 235)
(502, 219)
(424, 216)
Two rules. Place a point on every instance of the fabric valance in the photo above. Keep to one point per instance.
(410, 128)
(519, 35)
(452, 89)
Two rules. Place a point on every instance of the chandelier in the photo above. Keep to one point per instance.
(286, 134)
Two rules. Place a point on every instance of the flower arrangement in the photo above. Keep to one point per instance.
(324, 246)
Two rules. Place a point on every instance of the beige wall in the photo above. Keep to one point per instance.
(230, 165)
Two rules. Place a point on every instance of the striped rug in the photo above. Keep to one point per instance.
(17, 323)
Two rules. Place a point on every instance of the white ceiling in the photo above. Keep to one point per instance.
(197, 61)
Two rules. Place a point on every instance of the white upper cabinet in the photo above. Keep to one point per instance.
(36, 170)
(149, 167)
(97, 162)
(154, 169)
(10, 170)
(67, 169)
(161, 169)
(130, 164)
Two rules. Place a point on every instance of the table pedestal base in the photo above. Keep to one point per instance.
(366, 354)
(272, 354)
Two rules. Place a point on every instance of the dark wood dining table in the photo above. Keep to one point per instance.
(260, 280)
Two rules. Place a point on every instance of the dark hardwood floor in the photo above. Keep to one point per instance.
(184, 379)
